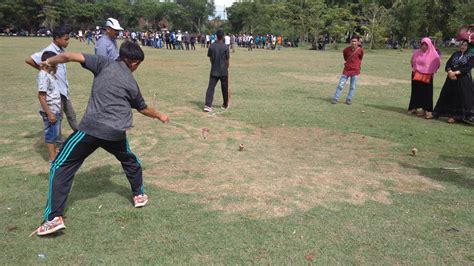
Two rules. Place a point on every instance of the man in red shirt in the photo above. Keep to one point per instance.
(353, 58)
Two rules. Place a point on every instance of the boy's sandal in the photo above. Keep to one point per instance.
(411, 112)
(451, 120)
(428, 115)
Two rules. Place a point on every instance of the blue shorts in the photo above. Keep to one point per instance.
(51, 131)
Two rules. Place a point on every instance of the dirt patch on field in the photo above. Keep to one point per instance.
(279, 171)
(282, 170)
(366, 80)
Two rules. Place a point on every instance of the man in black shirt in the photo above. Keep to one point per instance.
(219, 56)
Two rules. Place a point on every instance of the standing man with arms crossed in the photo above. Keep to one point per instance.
(107, 44)
(60, 42)
(353, 59)
(107, 118)
(219, 56)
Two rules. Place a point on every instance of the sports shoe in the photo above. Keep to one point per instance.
(348, 102)
(333, 101)
(50, 227)
(140, 200)
(207, 108)
(224, 107)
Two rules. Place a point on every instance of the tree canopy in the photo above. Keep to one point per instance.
(376, 20)
(30, 15)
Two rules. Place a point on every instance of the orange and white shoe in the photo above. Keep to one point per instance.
(140, 200)
(50, 227)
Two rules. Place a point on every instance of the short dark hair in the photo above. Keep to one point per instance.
(47, 55)
(355, 37)
(60, 31)
(130, 51)
(220, 34)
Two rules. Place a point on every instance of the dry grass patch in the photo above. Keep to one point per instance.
(285, 169)
(366, 80)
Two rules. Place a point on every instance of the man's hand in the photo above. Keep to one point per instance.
(164, 118)
(52, 118)
(150, 112)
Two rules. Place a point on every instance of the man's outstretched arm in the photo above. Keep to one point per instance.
(64, 58)
(150, 112)
(31, 62)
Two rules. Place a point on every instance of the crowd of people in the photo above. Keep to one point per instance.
(456, 100)
(115, 92)
(177, 40)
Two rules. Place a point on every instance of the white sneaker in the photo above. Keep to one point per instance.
(140, 200)
(207, 109)
(50, 227)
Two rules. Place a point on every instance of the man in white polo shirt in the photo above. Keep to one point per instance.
(60, 42)
(107, 44)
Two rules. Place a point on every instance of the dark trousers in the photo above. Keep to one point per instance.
(69, 111)
(212, 85)
(74, 151)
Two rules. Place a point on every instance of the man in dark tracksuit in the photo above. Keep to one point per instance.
(219, 56)
(108, 115)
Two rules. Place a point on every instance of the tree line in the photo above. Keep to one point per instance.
(31, 15)
(377, 20)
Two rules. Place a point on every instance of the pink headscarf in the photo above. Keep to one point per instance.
(427, 62)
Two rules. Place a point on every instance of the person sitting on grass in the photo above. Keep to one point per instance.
(107, 118)
(49, 97)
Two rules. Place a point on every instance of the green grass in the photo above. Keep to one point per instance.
(293, 191)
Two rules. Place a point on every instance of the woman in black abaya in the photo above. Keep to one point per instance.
(456, 101)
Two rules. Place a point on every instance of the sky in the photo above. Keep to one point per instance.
(220, 5)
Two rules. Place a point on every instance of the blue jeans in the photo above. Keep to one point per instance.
(52, 132)
(352, 87)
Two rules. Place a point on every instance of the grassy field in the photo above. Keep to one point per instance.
(316, 182)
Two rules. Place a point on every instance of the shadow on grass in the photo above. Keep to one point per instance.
(389, 108)
(198, 104)
(40, 147)
(451, 176)
(462, 160)
(323, 99)
(96, 181)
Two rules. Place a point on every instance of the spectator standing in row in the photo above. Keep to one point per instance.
(424, 63)
(80, 36)
(186, 40)
(193, 41)
(456, 100)
(168, 40)
(179, 41)
(90, 37)
(227, 40)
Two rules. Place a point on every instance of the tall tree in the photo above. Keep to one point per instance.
(375, 17)
(405, 19)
